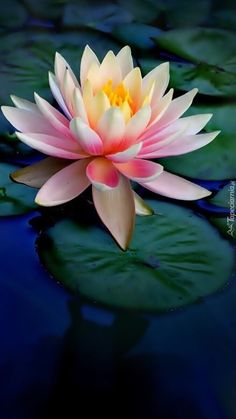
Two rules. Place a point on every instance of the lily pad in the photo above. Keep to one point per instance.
(226, 198)
(212, 51)
(136, 34)
(100, 15)
(15, 199)
(171, 261)
(217, 160)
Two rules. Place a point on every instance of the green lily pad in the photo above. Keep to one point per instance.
(170, 263)
(15, 199)
(212, 57)
(136, 34)
(142, 12)
(185, 76)
(217, 160)
(226, 198)
(102, 15)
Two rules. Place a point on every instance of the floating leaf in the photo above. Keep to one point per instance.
(226, 198)
(218, 159)
(14, 198)
(137, 34)
(102, 16)
(171, 261)
(212, 51)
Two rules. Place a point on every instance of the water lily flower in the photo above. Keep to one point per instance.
(108, 129)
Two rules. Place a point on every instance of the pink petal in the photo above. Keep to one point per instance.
(52, 146)
(116, 209)
(87, 138)
(176, 187)
(111, 129)
(196, 122)
(60, 67)
(163, 138)
(177, 107)
(140, 170)
(160, 108)
(186, 144)
(87, 59)
(24, 104)
(38, 173)
(27, 121)
(57, 94)
(54, 117)
(137, 125)
(65, 185)
(125, 155)
(102, 174)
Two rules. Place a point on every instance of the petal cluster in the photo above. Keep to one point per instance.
(105, 131)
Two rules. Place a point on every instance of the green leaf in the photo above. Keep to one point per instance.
(102, 15)
(171, 261)
(136, 34)
(217, 160)
(226, 198)
(212, 57)
(15, 199)
(142, 12)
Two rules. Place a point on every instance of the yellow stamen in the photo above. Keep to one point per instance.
(118, 96)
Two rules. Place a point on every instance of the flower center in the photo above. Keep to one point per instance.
(117, 96)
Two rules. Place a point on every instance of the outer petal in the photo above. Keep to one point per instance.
(117, 211)
(60, 67)
(64, 186)
(87, 59)
(186, 144)
(177, 107)
(137, 125)
(141, 208)
(57, 94)
(88, 139)
(54, 117)
(160, 75)
(52, 146)
(126, 155)
(24, 104)
(111, 128)
(160, 108)
(124, 58)
(176, 187)
(196, 122)
(38, 173)
(102, 174)
(140, 170)
(27, 121)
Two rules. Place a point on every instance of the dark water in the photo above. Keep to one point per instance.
(60, 356)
